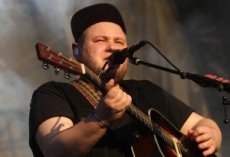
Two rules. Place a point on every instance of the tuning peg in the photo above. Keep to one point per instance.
(45, 65)
(67, 75)
(57, 70)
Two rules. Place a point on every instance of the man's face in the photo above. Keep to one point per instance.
(98, 41)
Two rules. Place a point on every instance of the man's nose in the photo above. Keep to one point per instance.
(111, 47)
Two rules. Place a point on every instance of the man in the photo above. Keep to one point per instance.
(64, 123)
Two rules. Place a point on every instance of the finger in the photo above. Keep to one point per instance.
(203, 137)
(123, 102)
(209, 151)
(205, 145)
(190, 132)
(114, 92)
(117, 99)
(190, 135)
(201, 130)
(193, 134)
(111, 83)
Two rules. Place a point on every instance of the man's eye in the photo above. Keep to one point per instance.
(100, 40)
(120, 42)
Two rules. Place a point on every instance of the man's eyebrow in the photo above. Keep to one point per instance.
(100, 36)
(120, 40)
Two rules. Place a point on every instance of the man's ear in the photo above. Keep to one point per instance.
(75, 50)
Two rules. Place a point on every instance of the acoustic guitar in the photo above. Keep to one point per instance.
(168, 140)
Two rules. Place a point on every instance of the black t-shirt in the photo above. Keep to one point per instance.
(62, 99)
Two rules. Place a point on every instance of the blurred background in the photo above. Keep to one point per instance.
(193, 34)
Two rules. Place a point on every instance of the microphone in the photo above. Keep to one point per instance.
(119, 56)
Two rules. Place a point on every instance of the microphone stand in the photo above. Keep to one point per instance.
(199, 79)
(226, 101)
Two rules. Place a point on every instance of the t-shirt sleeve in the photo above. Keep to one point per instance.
(48, 101)
(178, 111)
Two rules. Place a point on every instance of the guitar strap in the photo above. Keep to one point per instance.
(93, 96)
(88, 91)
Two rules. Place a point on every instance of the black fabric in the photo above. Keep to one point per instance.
(90, 15)
(62, 99)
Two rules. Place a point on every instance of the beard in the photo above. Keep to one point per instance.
(116, 72)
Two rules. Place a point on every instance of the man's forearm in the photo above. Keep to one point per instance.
(75, 141)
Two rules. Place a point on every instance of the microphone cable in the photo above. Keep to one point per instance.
(162, 55)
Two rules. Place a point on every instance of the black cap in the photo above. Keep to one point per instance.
(90, 15)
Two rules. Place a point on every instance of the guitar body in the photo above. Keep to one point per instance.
(145, 147)
(153, 146)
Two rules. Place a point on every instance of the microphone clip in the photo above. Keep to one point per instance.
(119, 56)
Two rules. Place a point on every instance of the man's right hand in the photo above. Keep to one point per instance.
(113, 104)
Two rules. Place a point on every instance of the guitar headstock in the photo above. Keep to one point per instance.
(58, 60)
